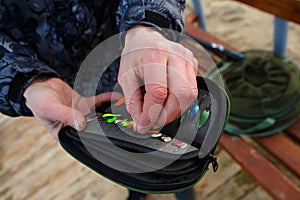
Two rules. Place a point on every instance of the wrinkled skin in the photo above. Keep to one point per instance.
(51, 102)
(167, 69)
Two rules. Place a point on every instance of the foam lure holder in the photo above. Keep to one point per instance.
(167, 160)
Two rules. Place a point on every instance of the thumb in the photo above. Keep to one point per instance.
(68, 116)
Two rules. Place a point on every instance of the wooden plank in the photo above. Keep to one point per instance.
(211, 182)
(283, 149)
(288, 9)
(80, 184)
(266, 174)
(257, 193)
(160, 197)
(90, 186)
(196, 32)
(63, 176)
(115, 193)
(191, 18)
(238, 186)
(294, 130)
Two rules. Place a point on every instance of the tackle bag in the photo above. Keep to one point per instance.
(162, 161)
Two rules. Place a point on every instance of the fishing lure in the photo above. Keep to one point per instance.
(156, 135)
(129, 126)
(204, 115)
(111, 120)
(120, 102)
(126, 123)
(111, 115)
(115, 118)
(193, 112)
(118, 121)
(179, 144)
(166, 138)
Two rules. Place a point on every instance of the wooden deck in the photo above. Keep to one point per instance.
(34, 166)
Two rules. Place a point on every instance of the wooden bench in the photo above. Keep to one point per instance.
(273, 161)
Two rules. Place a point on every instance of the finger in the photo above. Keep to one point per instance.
(181, 89)
(174, 102)
(170, 111)
(172, 106)
(196, 67)
(192, 61)
(65, 115)
(156, 94)
(191, 72)
(52, 127)
(130, 84)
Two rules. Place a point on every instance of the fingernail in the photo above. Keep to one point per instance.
(79, 125)
(82, 125)
(134, 126)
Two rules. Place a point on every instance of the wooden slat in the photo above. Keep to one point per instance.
(194, 31)
(191, 18)
(266, 174)
(288, 9)
(283, 149)
(294, 130)
(240, 184)
(211, 182)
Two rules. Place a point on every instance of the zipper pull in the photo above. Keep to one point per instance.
(214, 162)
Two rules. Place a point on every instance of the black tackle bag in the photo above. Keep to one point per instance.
(168, 160)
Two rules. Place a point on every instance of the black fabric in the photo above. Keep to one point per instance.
(157, 19)
(187, 165)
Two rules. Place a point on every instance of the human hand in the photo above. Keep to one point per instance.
(166, 69)
(50, 101)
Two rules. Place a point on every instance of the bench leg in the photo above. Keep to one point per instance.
(199, 11)
(280, 36)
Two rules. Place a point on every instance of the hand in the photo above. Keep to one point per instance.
(167, 69)
(51, 103)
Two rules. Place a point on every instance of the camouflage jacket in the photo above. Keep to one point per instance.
(52, 37)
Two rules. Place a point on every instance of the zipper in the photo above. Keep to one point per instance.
(214, 162)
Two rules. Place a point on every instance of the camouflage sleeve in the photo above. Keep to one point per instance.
(167, 14)
(18, 67)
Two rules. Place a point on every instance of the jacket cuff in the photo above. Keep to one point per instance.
(166, 11)
(160, 14)
(160, 24)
